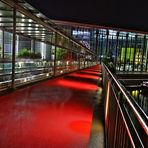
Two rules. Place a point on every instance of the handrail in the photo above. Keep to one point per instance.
(121, 87)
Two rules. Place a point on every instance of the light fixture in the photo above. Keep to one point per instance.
(30, 20)
(29, 28)
(23, 20)
(25, 80)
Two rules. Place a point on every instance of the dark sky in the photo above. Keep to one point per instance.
(126, 14)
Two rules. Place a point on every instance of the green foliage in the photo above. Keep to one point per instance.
(60, 53)
(25, 53)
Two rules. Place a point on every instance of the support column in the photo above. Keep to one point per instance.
(101, 53)
(55, 54)
(107, 34)
(13, 48)
(134, 52)
(3, 52)
(144, 50)
(126, 44)
(97, 45)
(116, 49)
(79, 56)
(122, 41)
(33, 45)
(146, 55)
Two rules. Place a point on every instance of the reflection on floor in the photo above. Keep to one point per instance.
(53, 114)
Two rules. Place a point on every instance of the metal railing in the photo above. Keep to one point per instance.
(126, 125)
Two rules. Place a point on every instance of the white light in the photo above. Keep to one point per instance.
(23, 20)
(25, 80)
(58, 63)
(22, 28)
(23, 15)
(30, 20)
(61, 71)
(29, 25)
(47, 74)
(29, 28)
(22, 24)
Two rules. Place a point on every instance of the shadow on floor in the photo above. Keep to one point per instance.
(97, 130)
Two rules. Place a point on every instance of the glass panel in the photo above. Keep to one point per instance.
(62, 60)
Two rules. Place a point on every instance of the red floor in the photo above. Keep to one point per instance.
(53, 114)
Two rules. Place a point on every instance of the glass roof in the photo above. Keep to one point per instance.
(40, 28)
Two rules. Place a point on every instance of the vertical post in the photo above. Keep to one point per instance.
(101, 54)
(93, 40)
(70, 55)
(112, 43)
(121, 52)
(3, 52)
(107, 34)
(55, 54)
(130, 52)
(79, 56)
(144, 49)
(116, 49)
(33, 45)
(126, 44)
(146, 55)
(13, 48)
(97, 45)
(134, 52)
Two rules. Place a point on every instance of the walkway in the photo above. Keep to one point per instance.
(52, 114)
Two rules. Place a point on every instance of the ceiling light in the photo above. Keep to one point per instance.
(30, 20)
(23, 20)
(29, 28)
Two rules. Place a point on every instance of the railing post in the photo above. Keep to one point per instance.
(107, 101)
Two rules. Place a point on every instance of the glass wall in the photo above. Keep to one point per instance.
(32, 50)
(127, 51)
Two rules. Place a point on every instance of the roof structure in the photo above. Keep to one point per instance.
(125, 14)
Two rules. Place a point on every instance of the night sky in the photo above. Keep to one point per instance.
(126, 14)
